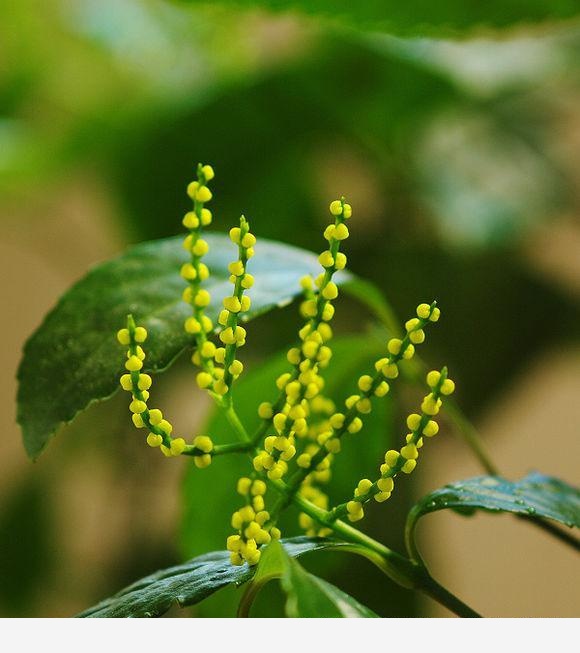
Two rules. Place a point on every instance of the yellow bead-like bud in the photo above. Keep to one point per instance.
(431, 429)
(247, 281)
(235, 234)
(137, 406)
(206, 217)
(433, 378)
(417, 337)
(140, 334)
(341, 232)
(177, 446)
(326, 259)
(409, 466)
(232, 304)
(204, 380)
(347, 211)
(392, 458)
(382, 389)
(409, 452)
(423, 311)
(138, 420)
(365, 383)
(190, 220)
(123, 336)
(394, 346)
(207, 172)
(202, 461)
(435, 315)
(236, 368)
(330, 291)
(336, 207)
(203, 298)
(243, 486)
(126, 382)
(447, 387)
(155, 416)
(248, 241)
(390, 371)
(154, 440)
(355, 426)
(413, 421)
(363, 487)
(145, 382)
(430, 405)
(304, 460)
(133, 364)
(386, 484)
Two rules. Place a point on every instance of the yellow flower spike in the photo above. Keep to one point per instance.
(154, 440)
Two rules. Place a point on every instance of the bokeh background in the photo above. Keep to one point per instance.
(461, 156)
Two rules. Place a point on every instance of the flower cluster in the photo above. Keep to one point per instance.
(419, 425)
(138, 384)
(300, 432)
(252, 522)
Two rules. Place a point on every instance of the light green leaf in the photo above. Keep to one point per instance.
(191, 582)
(73, 359)
(310, 596)
(535, 495)
(422, 17)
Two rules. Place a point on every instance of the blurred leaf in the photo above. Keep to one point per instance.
(535, 495)
(73, 359)
(310, 596)
(204, 529)
(422, 17)
(191, 582)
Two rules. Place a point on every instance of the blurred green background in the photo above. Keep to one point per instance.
(458, 147)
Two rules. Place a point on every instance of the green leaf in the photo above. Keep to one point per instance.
(310, 596)
(191, 582)
(73, 359)
(423, 17)
(535, 495)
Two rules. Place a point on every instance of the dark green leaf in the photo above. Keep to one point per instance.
(191, 582)
(423, 17)
(310, 596)
(73, 359)
(535, 495)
